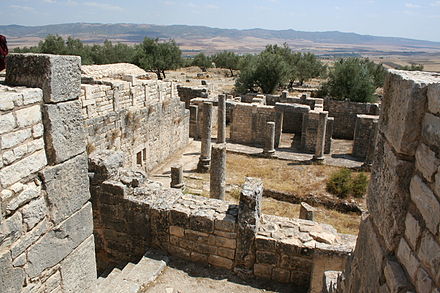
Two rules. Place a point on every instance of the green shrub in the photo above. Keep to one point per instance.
(359, 185)
(339, 183)
(343, 183)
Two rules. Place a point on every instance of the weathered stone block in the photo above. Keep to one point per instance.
(407, 259)
(395, 277)
(429, 255)
(412, 230)
(388, 193)
(30, 192)
(25, 241)
(281, 275)
(7, 123)
(12, 139)
(34, 212)
(58, 243)
(58, 76)
(65, 135)
(79, 268)
(177, 231)
(402, 111)
(431, 125)
(28, 116)
(434, 98)
(426, 162)
(225, 242)
(198, 257)
(266, 257)
(426, 202)
(22, 169)
(10, 230)
(424, 282)
(263, 271)
(67, 187)
(219, 261)
(11, 279)
(226, 252)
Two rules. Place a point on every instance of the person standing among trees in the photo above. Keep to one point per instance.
(3, 52)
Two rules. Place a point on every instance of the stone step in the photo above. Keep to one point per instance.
(133, 277)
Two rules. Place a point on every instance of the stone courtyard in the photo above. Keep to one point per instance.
(96, 162)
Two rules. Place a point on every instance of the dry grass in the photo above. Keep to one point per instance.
(281, 176)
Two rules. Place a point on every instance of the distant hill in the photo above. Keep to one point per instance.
(200, 38)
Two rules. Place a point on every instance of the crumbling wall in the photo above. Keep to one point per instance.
(132, 214)
(364, 135)
(345, 113)
(46, 241)
(186, 94)
(398, 247)
(309, 132)
(249, 123)
(292, 116)
(142, 118)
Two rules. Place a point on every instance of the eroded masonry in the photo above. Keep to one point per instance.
(75, 198)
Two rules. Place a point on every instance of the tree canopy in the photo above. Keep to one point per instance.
(157, 57)
(202, 61)
(226, 59)
(354, 79)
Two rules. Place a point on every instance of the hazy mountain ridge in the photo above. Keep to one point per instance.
(136, 33)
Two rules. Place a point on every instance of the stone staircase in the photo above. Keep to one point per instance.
(134, 276)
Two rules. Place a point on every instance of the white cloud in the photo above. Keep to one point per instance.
(169, 3)
(50, 1)
(103, 6)
(411, 5)
(435, 3)
(20, 7)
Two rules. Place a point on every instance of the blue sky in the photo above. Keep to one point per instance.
(418, 19)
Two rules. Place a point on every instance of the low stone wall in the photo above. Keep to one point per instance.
(398, 248)
(364, 134)
(142, 118)
(310, 129)
(249, 123)
(186, 94)
(46, 241)
(132, 213)
(345, 113)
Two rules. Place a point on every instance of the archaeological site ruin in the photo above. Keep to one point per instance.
(81, 211)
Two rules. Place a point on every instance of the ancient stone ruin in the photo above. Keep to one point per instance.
(76, 199)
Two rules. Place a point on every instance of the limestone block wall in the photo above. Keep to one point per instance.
(132, 213)
(345, 113)
(186, 94)
(309, 132)
(292, 116)
(142, 118)
(398, 248)
(249, 122)
(46, 240)
(364, 134)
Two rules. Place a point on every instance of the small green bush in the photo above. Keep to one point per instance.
(339, 183)
(359, 185)
(343, 183)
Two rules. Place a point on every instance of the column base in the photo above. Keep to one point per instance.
(318, 159)
(204, 165)
(269, 153)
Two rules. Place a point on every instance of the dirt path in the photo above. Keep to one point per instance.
(185, 277)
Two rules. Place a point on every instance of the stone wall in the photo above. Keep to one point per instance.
(292, 116)
(143, 118)
(132, 213)
(398, 248)
(46, 241)
(345, 113)
(249, 122)
(310, 130)
(364, 135)
(186, 94)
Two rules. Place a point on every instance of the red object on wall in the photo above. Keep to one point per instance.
(3, 52)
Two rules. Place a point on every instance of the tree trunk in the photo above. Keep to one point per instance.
(159, 77)
(163, 73)
(232, 72)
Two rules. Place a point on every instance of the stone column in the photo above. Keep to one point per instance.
(249, 213)
(269, 139)
(320, 137)
(177, 177)
(371, 148)
(205, 154)
(218, 172)
(221, 124)
(193, 119)
(306, 212)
